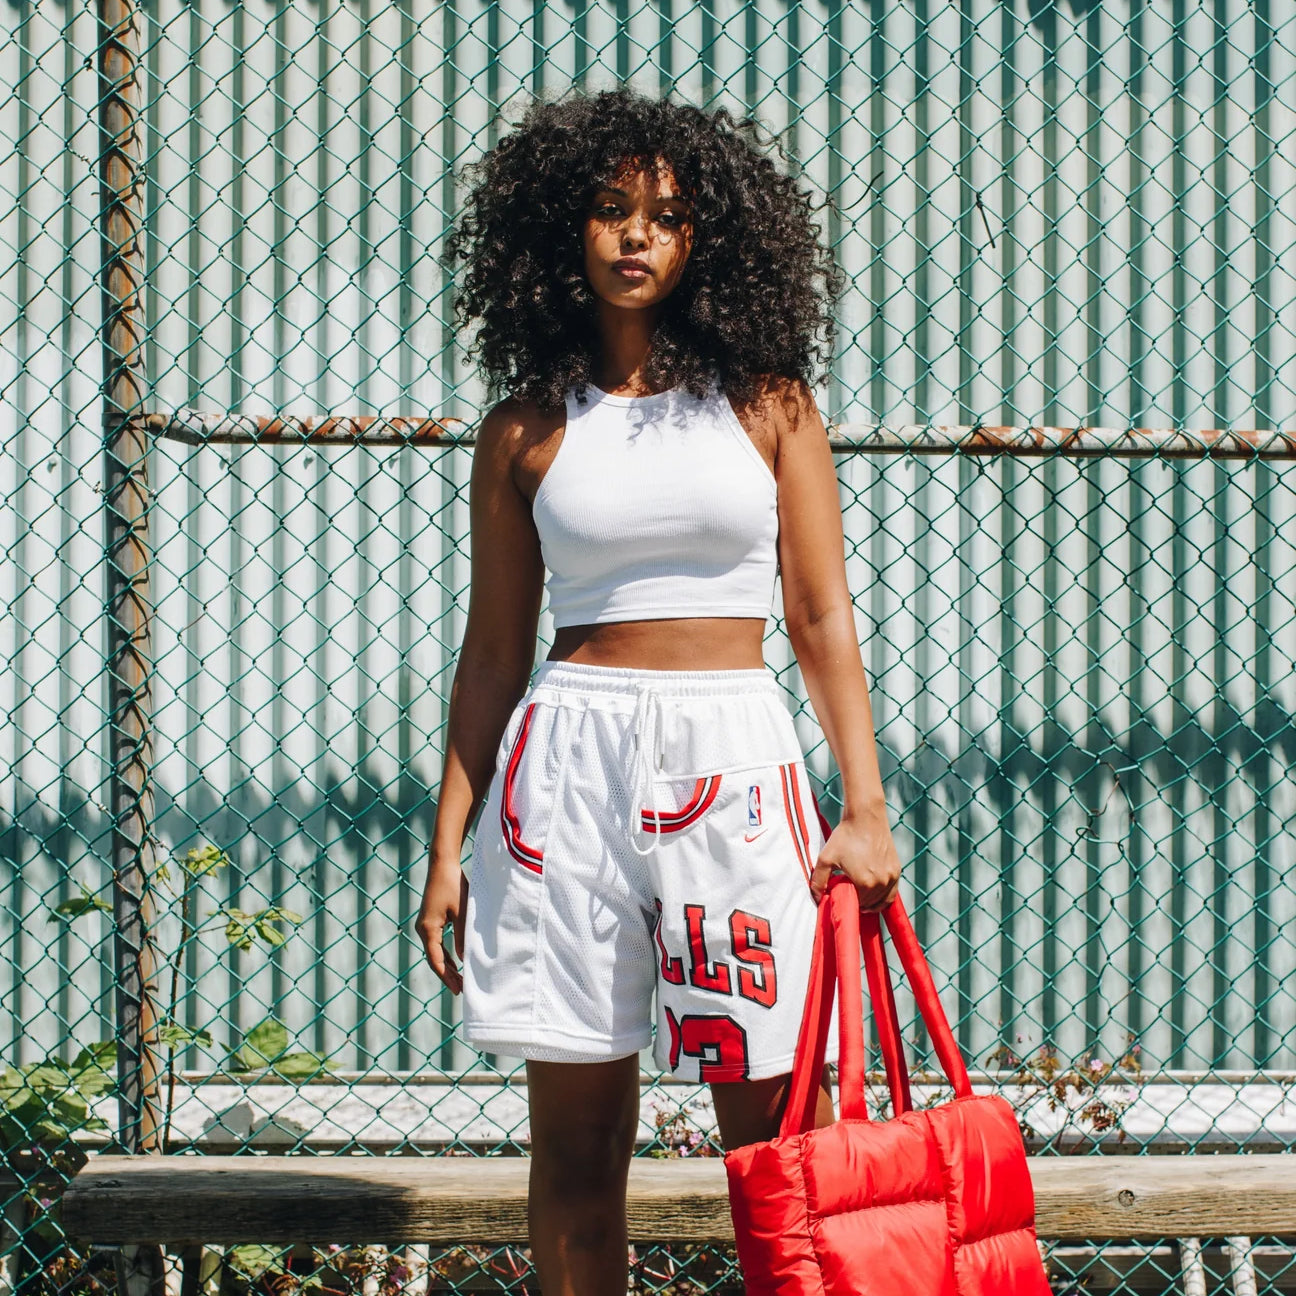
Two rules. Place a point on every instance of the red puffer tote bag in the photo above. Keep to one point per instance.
(930, 1203)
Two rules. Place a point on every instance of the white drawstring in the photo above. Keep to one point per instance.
(647, 761)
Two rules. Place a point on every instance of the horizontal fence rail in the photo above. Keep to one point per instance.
(194, 428)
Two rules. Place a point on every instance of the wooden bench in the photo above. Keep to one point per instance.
(188, 1201)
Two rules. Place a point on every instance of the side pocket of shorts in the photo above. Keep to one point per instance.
(679, 803)
(522, 813)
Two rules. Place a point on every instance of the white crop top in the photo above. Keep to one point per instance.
(656, 506)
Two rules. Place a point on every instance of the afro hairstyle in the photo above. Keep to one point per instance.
(757, 293)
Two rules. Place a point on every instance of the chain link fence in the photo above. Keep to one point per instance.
(235, 572)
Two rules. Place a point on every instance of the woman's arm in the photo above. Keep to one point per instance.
(494, 666)
(820, 622)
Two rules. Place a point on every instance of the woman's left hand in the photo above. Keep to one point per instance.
(862, 847)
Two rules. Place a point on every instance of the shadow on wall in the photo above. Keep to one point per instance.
(1041, 10)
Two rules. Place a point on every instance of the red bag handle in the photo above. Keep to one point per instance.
(835, 962)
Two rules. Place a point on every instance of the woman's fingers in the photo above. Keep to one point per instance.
(439, 957)
(867, 901)
(444, 899)
(823, 870)
(865, 852)
(432, 931)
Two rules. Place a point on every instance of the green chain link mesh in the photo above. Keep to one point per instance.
(1053, 212)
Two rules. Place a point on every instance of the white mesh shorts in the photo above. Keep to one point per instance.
(645, 831)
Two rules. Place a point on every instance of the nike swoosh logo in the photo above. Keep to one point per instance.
(753, 836)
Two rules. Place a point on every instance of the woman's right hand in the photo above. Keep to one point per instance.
(445, 904)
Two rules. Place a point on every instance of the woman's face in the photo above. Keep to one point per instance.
(642, 218)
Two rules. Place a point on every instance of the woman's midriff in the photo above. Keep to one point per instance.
(692, 643)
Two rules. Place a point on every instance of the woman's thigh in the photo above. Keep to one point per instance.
(584, 1116)
(749, 1111)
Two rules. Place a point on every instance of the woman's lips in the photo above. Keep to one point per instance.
(630, 272)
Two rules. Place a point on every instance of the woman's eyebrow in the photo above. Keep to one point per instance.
(659, 197)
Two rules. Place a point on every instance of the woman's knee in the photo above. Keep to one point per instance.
(591, 1157)
(583, 1126)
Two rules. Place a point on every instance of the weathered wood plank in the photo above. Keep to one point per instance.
(189, 1200)
(1163, 1197)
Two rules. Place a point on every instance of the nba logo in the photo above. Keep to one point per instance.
(753, 805)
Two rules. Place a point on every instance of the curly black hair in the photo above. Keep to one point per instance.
(756, 294)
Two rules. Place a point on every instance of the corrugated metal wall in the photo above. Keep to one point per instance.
(1082, 671)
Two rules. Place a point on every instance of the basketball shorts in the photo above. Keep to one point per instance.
(648, 835)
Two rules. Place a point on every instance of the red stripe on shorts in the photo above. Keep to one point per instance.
(799, 837)
(664, 821)
(527, 856)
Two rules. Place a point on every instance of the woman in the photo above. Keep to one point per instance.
(651, 292)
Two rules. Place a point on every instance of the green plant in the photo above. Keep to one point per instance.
(263, 1048)
(42, 1104)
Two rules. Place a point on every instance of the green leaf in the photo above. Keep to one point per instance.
(48, 1131)
(77, 907)
(301, 1066)
(262, 1045)
(173, 1035)
(242, 928)
(50, 1076)
(70, 1108)
(238, 927)
(254, 1261)
(271, 935)
(93, 1069)
(202, 860)
(265, 1047)
(102, 1053)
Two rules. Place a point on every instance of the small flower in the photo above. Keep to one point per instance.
(1095, 1064)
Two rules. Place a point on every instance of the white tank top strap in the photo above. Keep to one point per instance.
(656, 507)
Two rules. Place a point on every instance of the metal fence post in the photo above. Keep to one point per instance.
(127, 592)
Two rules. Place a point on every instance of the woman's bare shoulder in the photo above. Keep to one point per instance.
(781, 406)
(522, 437)
(780, 401)
(517, 424)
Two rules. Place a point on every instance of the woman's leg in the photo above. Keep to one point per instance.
(749, 1111)
(583, 1122)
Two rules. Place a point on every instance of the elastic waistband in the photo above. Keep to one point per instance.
(630, 681)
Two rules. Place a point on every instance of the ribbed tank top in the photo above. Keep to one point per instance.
(656, 506)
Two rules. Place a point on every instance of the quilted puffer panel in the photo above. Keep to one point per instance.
(856, 1164)
(986, 1174)
(767, 1199)
(1006, 1264)
(886, 1251)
